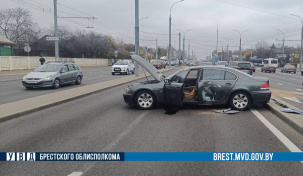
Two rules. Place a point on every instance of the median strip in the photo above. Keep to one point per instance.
(29, 105)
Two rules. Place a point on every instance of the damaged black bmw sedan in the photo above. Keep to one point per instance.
(200, 85)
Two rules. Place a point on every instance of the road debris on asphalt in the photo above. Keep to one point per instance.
(289, 110)
(227, 111)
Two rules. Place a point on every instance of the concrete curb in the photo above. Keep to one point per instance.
(22, 107)
(294, 120)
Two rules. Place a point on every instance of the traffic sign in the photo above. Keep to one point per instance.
(52, 38)
(116, 52)
(297, 56)
(141, 51)
(27, 48)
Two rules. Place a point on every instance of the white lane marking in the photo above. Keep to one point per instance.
(75, 174)
(128, 129)
(84, 77)
(100, 75)
(293, 99)
(299, 89)
(280, 84)
(290, 145)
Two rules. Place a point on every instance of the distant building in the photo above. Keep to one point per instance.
(6, 46)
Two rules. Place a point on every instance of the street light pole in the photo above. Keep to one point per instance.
(240, 51)
(301, 42)
(283, 39)
(56, 31)
(184, 32)
(169, 45)
(137, 35)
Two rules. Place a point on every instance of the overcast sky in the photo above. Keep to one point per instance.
(262, 19)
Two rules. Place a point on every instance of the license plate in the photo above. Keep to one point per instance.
(32, 81)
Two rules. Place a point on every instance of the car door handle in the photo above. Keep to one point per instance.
(228, 84)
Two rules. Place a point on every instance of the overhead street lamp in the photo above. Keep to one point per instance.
(184, 32)
(240, 51)
(188, 52)
(228, 39)
(169, 45)
(301, 42)
(283, 39)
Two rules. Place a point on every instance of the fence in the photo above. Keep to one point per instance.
(22, 63)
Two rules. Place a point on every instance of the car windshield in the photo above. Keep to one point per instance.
(48, 68)
(121, 63)
(244, 64)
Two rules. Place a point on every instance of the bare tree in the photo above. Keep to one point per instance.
(17, 25)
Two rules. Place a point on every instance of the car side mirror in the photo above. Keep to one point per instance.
(167, 81)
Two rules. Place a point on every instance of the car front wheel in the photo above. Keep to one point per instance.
(145, 100)
(78, 80)
(56, 84)
(240, 101)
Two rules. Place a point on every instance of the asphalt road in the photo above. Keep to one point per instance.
(285, 85)
(103, 122)
(11, 88)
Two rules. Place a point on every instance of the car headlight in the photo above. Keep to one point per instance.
(23, 78)
(47, 78)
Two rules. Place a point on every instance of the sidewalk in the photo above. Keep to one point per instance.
(25, 106)
(294, 120)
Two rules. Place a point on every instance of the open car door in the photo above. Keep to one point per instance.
(173, 93)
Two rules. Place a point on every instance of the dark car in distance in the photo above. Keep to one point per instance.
(200, 85)
(246, 67)
(268, 68)
(159, 64)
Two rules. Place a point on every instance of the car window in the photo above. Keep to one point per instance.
(244, 64)
(213, 74)
(64, 68)
(48, 68)
(230, 76)
(76, 67)
(179, 77)
(192, 74)
(71, 67)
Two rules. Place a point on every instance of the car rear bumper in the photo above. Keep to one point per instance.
(261, 97)
(38, 84)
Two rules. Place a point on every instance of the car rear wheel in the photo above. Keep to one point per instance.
(274, 71)
(240, 101)
(113, 73)
(78, 80)
(145, 100)
(133, 71)
(56, 84)
(294, 72)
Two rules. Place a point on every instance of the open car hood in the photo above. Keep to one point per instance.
(148, 67)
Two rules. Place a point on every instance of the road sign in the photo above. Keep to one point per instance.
(297, 56)
(141, 51)
(116, 52)
(27, 48)
(52, 38)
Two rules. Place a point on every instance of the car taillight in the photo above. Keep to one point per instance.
(288, 68)
(265, 86)
(267, 67)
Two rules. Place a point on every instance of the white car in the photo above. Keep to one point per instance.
(123, 67)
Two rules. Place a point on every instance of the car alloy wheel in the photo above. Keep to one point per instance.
(78, 80)
(145, 100)
(56, 83)
(240, 101)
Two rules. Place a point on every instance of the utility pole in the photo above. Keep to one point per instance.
(240, 51)
(156, 49)
(251, 51)
(222, 53)
(217, 43)
(137, 35)
(188, 52)
(301, 43)
(146, 55)
(179, 41)
(56, 31)
(227, 52)
(183, 53)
